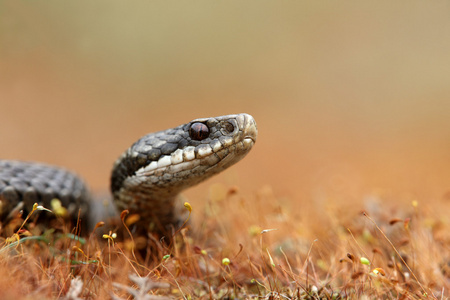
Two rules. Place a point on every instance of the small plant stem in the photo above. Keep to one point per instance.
(396, 251)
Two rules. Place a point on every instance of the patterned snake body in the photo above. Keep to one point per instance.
(146, 179)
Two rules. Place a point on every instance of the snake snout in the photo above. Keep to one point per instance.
(248, 126)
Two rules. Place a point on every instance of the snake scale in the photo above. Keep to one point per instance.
(146, 179)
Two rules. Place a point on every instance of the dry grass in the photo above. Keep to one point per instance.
(239, 247)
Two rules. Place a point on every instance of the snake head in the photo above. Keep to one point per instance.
(156, 168)
(223, 142)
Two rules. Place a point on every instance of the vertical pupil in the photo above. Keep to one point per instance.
(199, 131)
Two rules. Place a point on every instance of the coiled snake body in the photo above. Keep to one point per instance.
(146, 179)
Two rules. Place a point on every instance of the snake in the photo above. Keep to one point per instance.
(146, 180)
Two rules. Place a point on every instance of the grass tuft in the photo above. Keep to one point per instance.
(239, 247)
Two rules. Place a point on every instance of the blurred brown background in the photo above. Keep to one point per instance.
(350, 98)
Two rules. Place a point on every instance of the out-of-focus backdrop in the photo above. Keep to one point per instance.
(351, 98)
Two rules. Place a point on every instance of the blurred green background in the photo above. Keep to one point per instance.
(350, 97)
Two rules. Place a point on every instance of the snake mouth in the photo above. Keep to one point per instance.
(249, 139)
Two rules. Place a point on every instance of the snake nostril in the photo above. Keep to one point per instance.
(198, 131)
(229, 128)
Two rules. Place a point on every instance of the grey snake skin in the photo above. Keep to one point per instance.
(146, 179)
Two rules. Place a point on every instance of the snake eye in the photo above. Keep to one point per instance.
(199, 131)
(229, 127)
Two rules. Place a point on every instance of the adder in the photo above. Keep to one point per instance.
(146, 179)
